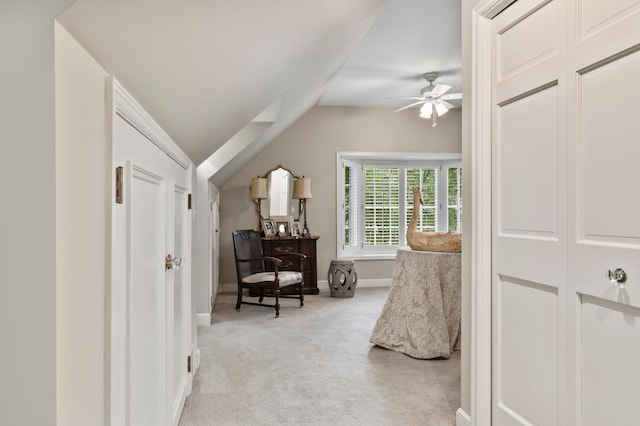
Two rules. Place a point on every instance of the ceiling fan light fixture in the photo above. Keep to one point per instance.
(426, 111)
(433, 99)
(441, 109)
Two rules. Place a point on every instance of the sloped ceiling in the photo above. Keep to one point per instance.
(205, 68)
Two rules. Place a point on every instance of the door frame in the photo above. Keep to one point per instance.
(481, 198)
(120, 103)
(213, 244)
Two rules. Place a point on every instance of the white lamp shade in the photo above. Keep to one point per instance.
(302, 188)
(258, 188)
(441, 109)
(426, 110)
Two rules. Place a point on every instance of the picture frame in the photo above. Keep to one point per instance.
(295, 229)
(288, 220)
(269, 228)
(283, 228)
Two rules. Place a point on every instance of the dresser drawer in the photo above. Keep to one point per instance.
(284, 248)
(280, 247)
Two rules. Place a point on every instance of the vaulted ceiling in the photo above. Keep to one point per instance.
(205, 69)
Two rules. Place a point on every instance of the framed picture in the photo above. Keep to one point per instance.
(283, 228)
(269, 228)
(286, 221)
(295, 228)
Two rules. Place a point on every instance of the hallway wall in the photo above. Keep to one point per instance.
(28, 213)
(83, 182)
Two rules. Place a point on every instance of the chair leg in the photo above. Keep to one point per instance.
(301, 295)
(239, 300)
(261, 295)
(277, 304)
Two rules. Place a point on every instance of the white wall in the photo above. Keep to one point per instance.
(309, 148)
(27, 216)
(82, 187)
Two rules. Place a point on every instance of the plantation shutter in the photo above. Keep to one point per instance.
(381, 206)
(426, 179)
(351, 202)
(454, 198)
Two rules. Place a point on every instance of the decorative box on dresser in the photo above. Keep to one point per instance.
(280, 246)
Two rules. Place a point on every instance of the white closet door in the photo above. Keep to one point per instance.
(151, 310)
(566, 233)
(529, 251)
(180, 295)
(603, 70)
(146, 284)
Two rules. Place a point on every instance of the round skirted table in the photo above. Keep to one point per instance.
(421, 317)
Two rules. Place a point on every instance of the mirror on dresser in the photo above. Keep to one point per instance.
(280, 197)
(280, 192)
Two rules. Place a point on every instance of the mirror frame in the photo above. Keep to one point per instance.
(280, 166)
(267, 175)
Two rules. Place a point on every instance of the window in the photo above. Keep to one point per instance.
(376, 200)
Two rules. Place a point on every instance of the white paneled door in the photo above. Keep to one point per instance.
(604, 209)
(151, 309)
(529, 213)
(566, 234)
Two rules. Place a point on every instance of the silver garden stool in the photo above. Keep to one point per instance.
(342, 278)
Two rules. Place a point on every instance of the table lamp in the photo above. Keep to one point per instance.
(258, 193)
(302, 191)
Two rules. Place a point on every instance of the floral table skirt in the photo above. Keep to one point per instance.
(421, 317)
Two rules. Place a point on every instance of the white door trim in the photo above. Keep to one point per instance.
(213, 245)
(126, 107)
(480, 333)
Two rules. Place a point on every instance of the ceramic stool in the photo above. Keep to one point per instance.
(342, 278)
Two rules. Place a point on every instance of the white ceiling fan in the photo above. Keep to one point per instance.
(433, 98)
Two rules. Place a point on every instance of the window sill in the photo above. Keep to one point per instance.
(372, 255)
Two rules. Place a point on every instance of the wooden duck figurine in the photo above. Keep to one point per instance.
(430, 241)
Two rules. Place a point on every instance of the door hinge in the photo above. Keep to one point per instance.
(189, 202)
(189, 364)
(119, 194)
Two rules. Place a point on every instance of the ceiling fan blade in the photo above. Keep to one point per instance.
(410, 105)
(447, 104)
(416, 98)
(451, 96)
(439, 90)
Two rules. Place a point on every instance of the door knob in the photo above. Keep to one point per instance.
(172, 262)
(618, 276)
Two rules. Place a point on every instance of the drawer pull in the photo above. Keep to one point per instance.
(283, 249)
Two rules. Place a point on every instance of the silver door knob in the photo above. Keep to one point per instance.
(618, 276)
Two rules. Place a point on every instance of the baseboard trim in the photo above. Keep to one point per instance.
(196, 361)
(227, 288)
(373, 282)
(462, 418)
(204, 319)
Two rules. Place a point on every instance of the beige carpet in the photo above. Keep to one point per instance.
(314, 366)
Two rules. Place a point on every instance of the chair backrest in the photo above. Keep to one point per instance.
(247, 245)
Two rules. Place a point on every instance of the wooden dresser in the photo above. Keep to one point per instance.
(278, 246)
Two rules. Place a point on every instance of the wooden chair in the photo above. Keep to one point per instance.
(261, 273)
